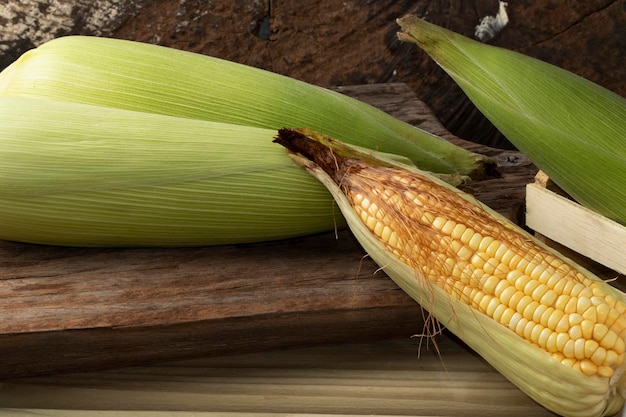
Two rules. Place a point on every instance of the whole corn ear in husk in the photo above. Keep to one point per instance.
(81, 175)
(154, 79)
(572, 129)
(548, 325)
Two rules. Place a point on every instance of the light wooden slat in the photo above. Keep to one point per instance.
(124, 413)
(382, 378)
(576, 227)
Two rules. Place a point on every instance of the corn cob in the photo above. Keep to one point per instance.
(571, 128)
(148, 78)
(551, 327)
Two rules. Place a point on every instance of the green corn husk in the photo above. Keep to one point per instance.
(148, 78)
(571, 128)
(81, 175)
(558, 387)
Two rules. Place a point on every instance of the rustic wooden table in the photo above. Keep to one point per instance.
(73, 309)
(305, 326)
(106, 308)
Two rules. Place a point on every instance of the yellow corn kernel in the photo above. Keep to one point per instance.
(541, 295)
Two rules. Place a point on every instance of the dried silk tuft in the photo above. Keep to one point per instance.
(489, 26)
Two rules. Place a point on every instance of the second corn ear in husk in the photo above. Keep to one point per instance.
(154, 79)
(548, 325)
(572, 129)
(81, 175)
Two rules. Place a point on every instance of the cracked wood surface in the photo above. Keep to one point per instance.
(76, 309)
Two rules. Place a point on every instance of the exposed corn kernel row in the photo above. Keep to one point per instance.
(488, 265)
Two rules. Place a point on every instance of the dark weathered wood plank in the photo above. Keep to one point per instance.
(71, 309)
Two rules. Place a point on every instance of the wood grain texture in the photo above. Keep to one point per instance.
(76, 309)
(382, 378)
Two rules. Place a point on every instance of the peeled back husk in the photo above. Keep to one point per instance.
(154, 79)
(571, 128)
(422, 262)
